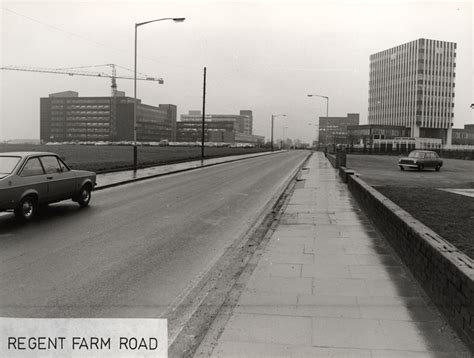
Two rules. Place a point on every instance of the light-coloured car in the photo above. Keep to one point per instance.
(30, 179)
(421, 159)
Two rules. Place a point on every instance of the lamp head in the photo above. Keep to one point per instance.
(179, 19)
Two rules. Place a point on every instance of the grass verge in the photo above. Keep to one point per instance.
(449, 215)
(107, 158)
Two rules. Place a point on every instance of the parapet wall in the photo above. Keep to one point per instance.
(446, 274)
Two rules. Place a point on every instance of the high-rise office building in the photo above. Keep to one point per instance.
(412, 85)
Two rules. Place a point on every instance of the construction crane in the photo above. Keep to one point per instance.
(78, 71)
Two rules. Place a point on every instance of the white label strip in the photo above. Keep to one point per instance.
(83, 337)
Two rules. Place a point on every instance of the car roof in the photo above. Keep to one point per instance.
(423, 151)
(25, 154)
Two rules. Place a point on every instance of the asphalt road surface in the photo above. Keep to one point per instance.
(138, 246)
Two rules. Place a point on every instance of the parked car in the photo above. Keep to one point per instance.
(421, 159)
(30, 179)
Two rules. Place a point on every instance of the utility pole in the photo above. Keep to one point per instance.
(203, 114)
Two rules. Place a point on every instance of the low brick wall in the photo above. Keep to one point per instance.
(446, 274)
(344, 173)
(332, 159)
(337, 160)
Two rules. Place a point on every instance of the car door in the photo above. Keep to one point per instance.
(431, 160)
(60, 182)
(9, 190)
(32, 176)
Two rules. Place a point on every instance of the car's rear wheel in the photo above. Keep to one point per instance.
(401, 167)
(84, 196)
(26, 209)
(438, 167)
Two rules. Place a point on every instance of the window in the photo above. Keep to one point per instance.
(7, 164)
(63, 166)
(32, 167)
(50, 165)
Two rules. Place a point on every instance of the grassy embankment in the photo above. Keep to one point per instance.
(107, 158)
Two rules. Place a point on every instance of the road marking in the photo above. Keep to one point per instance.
(465, 192)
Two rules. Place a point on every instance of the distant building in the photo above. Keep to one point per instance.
(215, 131)
(333, 130)
(227, 128)
(365, 134)
(65, 117)
(464, 136)
(243, 122)
(412, 85)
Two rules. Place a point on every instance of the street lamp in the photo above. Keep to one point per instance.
(283, 137)
(175, 19)
(273, 118)
(327, 111)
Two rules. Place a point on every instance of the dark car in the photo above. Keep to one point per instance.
(30, 179)
(421, 159)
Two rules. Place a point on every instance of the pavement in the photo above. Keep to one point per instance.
(328, 285)
(127, 176)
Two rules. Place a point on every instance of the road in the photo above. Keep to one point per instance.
(138, 246)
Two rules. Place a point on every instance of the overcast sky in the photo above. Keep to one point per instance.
(265, 56)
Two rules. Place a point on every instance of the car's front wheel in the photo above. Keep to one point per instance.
(26, 209)
(84, 196)
(401, 167)
(420, 166)
(438, 167)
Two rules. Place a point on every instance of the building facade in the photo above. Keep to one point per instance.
(67, 117)
(243, 122)
(463, 136)
(366, 134)
(333, 130)
(215, 131)
(228, 128)
(412, 85)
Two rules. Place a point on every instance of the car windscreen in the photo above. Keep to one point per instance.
(416, 155)
(7, 164)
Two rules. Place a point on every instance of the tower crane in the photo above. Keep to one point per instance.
(79, 71)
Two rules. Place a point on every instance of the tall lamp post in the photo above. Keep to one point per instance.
(175, 19)
(283, 137)
(273, 119)
(327, 109)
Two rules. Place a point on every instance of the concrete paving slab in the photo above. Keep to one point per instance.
(326, 271)
(268, 329)
(340, 287)
(410, 354)
(288, 258)
(266, 350)
(374, 272)
(280, 284)
(328, 306)
(286, 246)
(283, 270)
